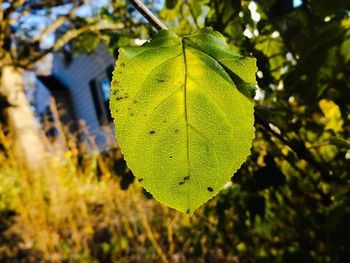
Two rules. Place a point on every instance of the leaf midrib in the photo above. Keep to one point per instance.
(186, 114)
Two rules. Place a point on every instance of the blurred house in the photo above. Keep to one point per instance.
(73, 97)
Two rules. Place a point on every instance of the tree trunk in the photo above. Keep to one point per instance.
(20, 118)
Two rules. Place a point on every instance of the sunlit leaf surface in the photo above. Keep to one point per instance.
(183, 116)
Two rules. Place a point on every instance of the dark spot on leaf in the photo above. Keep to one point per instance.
(122, 64)
(152, 132)
(140, 179)
(131, 114)
(144, 115)
(170, 157)
(164, 121)
(162, 77)
(181, 183)
(134, 101)
(186, 178)
(210, 189)
(176, 131)
(115, 83)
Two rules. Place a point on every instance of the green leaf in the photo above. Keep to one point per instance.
(170, 4)
(327, 8)
(273, 49)
(340, 142)
(182, 123)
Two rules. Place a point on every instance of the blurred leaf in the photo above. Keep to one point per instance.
(273, 49)
(86, 42)
(340, 142)
(170, 4)
(345, 45)
(333, 119)
(124, 172)
(325, 8)
(304, 78)
(196, 6)
(328, 152)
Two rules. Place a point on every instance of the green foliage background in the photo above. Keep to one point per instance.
(291, 200)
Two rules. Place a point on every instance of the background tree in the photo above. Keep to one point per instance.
(25, 31)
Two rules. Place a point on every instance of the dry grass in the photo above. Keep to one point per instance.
(71, 211)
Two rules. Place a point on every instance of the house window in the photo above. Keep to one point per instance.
(105, 88)
(101, 101)
(100, 92)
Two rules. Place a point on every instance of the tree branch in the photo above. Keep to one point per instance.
(68, 36)
(146, 13)
(71, 34)
(57, 23)
(192, 14)
(12, 8)
(301, 151)
(1, 11)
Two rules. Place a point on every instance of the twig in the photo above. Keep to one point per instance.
(68, 36)
(71, 34)
(146, 13)
(301, 151)
(57, 23)
(149, 233)
(192, 14)
(325, 198)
